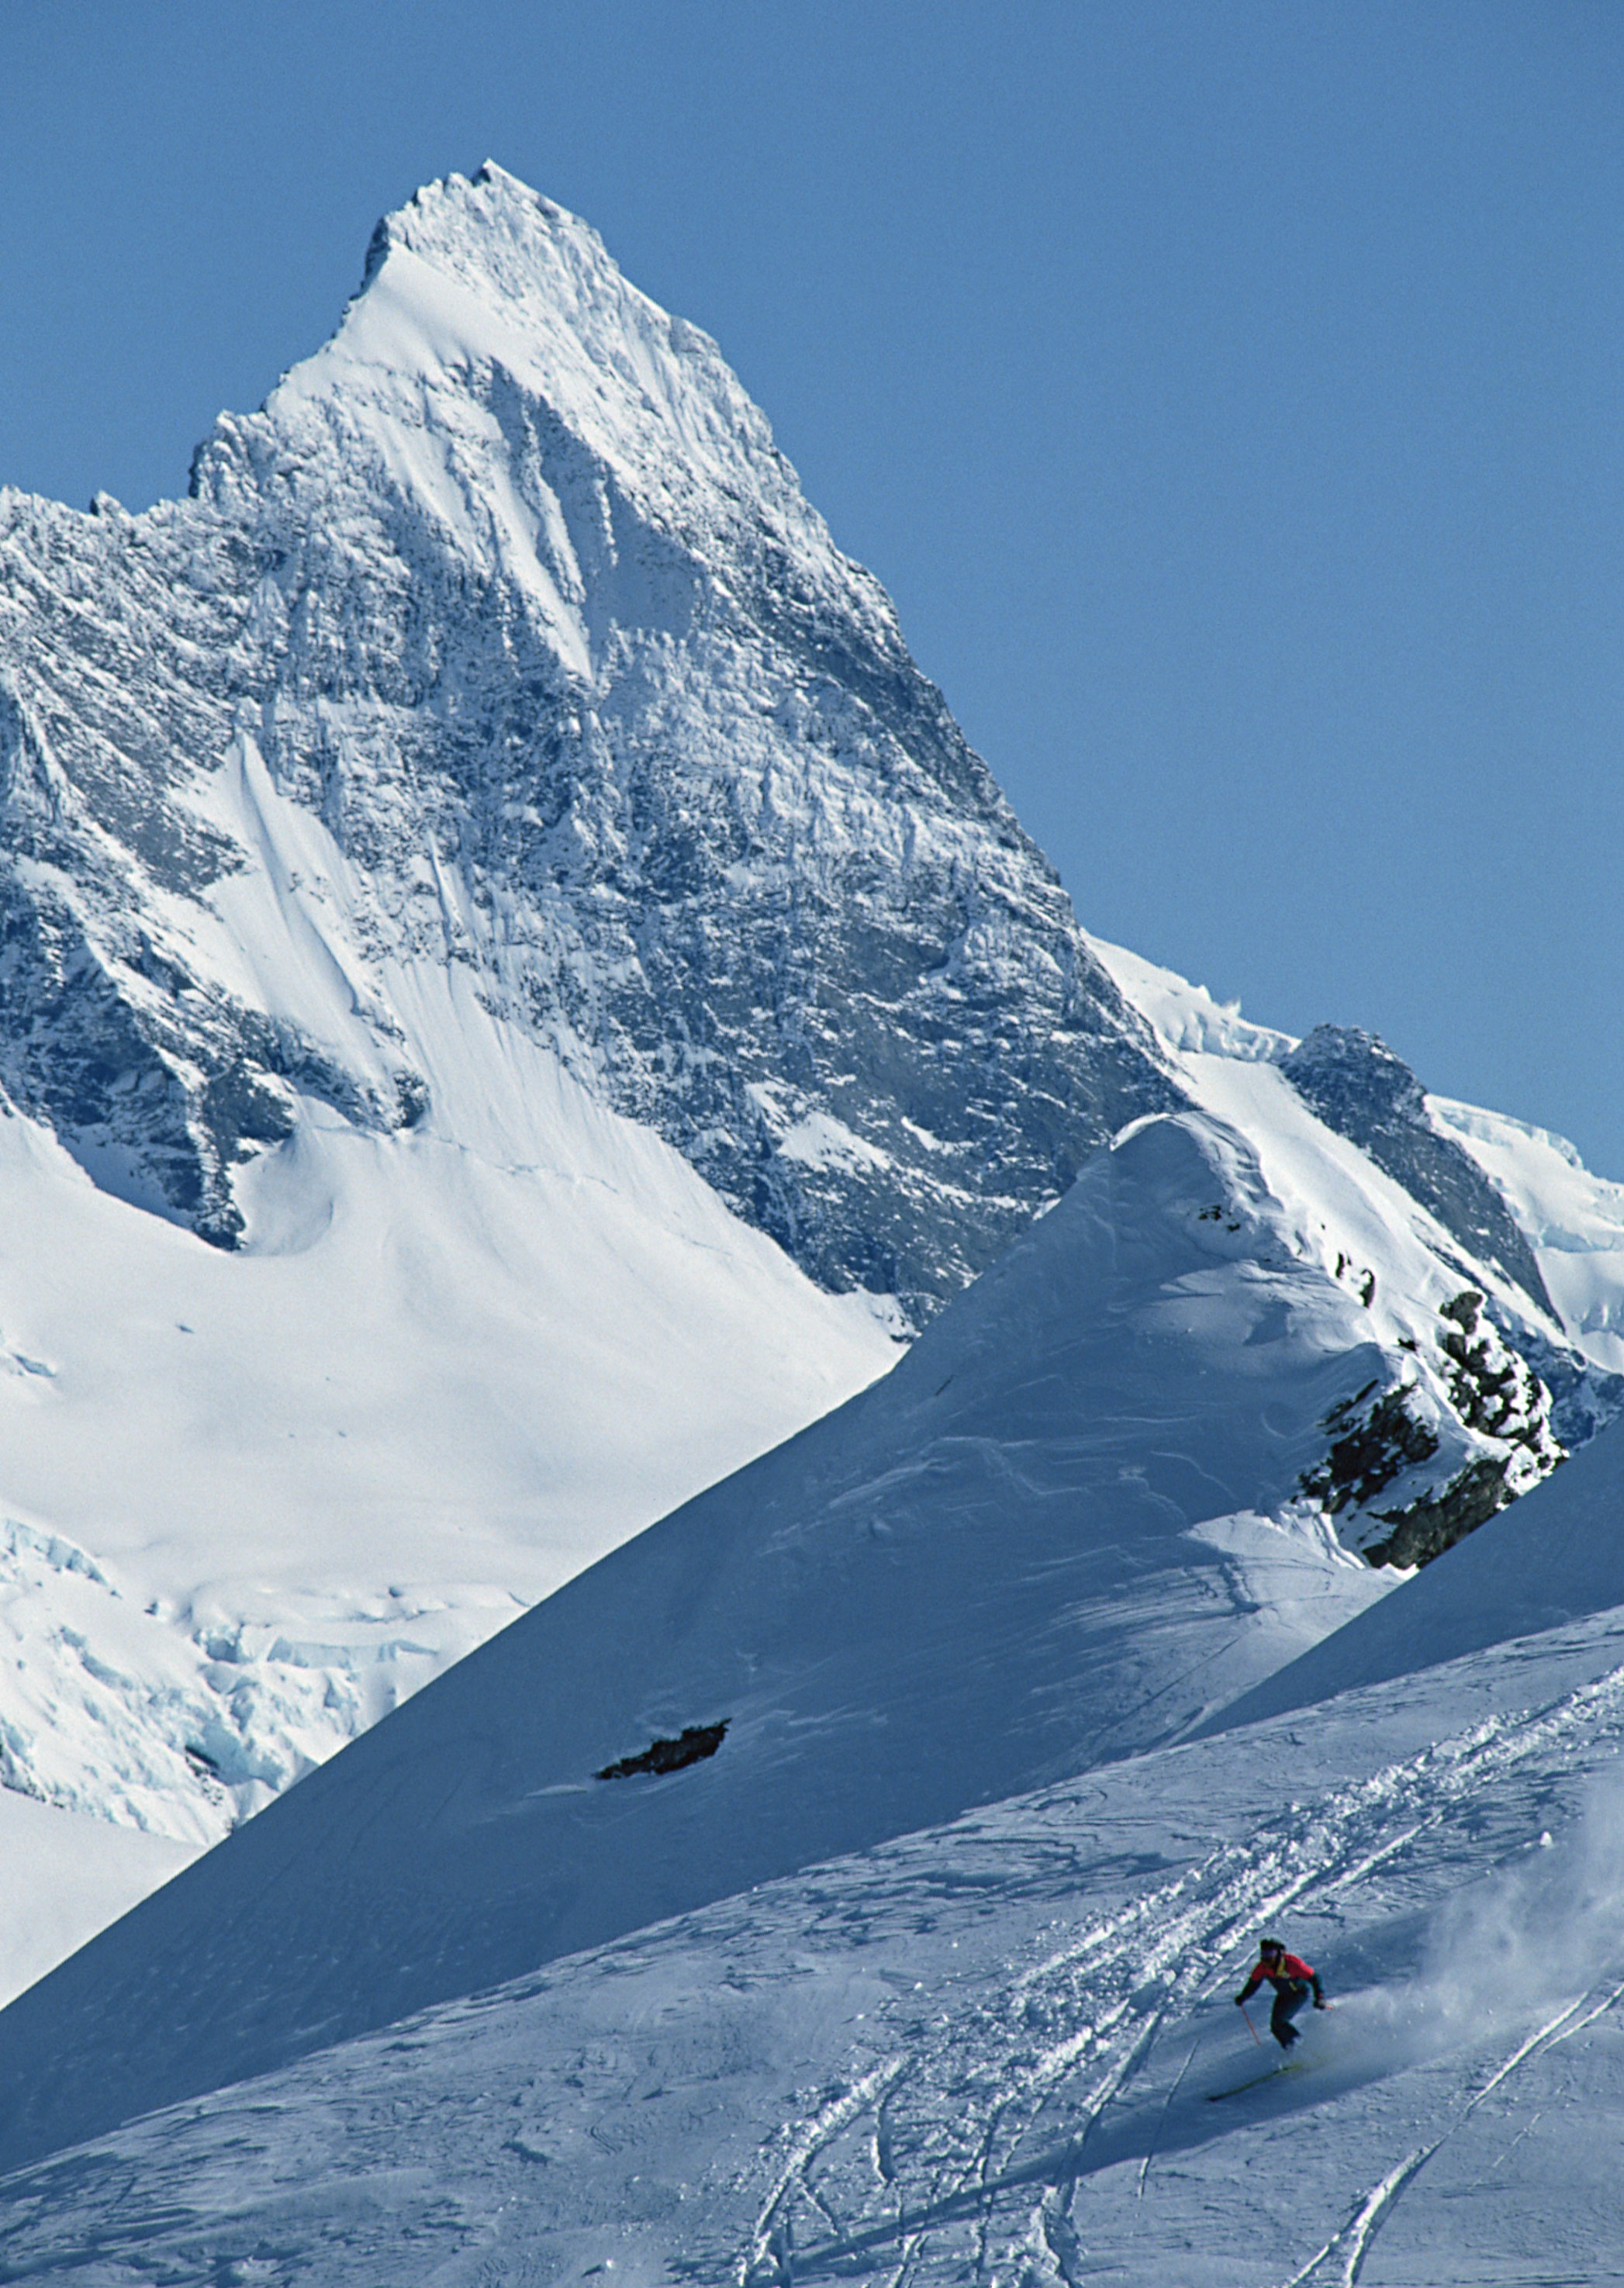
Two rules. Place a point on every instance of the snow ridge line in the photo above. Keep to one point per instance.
(962, 2104)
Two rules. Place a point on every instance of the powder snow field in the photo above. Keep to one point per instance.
(1061, 1531)
(985, 2052)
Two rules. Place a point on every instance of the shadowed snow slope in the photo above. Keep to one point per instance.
(1063, 1529)
(985, 2053)
(1556, 1557)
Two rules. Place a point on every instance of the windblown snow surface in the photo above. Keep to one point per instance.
(649, 2028)
(1066, 1525)
(985, 2051)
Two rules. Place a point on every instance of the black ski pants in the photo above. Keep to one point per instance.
(1289, 1996)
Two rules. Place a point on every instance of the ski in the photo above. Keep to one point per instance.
(1289, 2065)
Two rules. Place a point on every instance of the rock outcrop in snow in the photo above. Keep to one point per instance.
(1359, 1088)
(1507, 1215)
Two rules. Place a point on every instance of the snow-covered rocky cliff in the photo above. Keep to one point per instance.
(1392, 1189)
(515, 996)
(487, 864)
(502, 642)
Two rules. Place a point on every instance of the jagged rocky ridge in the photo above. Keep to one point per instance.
(1359, 1088)
(510, 587)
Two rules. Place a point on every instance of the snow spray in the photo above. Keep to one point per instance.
(1543, 1929)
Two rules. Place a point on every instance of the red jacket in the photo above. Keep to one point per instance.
(1293, 1971)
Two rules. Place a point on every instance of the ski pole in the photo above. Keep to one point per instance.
(1251, 2028)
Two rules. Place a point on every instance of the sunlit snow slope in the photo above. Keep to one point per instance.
(1569, 1284)
(63, 1875)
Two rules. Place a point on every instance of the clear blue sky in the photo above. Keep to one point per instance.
(1228, 392)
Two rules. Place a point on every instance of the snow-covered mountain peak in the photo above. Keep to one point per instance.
(559, 684)
(539, 284)
(493, 337)
(480, 853)
(488, 864)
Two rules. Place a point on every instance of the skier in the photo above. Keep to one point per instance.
(1292, 1979)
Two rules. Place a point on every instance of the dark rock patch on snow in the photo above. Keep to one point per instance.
(692, 1745)
(1368, 1451)
(1428, 1527)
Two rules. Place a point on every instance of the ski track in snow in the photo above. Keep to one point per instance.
(960, 2110)
(1035, 2120)
(1351, 2245)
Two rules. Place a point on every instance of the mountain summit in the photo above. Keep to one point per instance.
(508, 612)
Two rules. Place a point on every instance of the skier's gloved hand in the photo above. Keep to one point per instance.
(1320, 2003)
(1240, 2001)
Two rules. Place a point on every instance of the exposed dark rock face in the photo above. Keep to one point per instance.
(1429, 1525)
(1379, 1437)
(692, 1745)
(1368, 1450)
(1359, 1087)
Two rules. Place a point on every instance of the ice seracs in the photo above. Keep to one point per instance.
(250, 1500)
